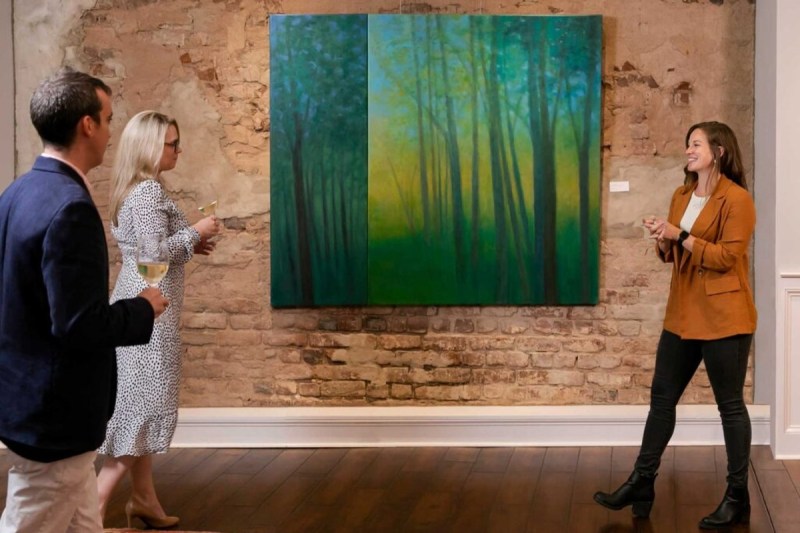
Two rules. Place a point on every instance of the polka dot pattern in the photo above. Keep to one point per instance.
(146, 410)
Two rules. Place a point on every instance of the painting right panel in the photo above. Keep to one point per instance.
(484, 159)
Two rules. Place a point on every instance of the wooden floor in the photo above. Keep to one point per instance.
(546, 490)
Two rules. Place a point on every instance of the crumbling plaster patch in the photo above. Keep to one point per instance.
(40, 31)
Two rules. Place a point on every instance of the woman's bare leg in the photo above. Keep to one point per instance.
(144, 491)
(112, 471)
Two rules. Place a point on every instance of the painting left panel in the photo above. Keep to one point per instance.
(318, 161)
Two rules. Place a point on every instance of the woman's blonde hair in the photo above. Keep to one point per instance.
(138, 156)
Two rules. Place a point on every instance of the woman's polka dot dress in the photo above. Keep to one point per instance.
(146, 410)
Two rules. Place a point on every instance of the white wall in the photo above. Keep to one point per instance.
(777, 245)
(7, 148)
(764, 194)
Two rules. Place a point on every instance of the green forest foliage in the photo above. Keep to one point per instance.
(435, 160)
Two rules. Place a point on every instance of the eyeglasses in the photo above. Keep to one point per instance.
(176, 145)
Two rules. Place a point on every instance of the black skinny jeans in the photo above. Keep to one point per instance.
(726, 365)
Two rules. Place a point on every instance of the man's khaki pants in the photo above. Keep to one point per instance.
(55, 497)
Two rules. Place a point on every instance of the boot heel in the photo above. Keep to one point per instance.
(642, 509)
(734, 509)
(638, 491)
(745, 517)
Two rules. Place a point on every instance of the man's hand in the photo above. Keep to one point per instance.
(156, 299)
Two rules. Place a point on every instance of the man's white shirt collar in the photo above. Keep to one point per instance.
(76, 169)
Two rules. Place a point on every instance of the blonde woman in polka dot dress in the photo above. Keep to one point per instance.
(146, 410)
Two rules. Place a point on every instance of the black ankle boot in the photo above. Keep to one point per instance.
(734, 509)
(638, 491)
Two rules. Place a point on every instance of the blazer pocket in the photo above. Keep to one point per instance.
(723, 284)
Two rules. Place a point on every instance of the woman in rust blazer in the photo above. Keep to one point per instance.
(710, 317)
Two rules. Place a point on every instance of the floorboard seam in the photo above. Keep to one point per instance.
(763, 497)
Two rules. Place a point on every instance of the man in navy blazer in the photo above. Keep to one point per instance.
(57, 330)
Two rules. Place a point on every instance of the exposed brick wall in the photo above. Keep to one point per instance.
(667, 64)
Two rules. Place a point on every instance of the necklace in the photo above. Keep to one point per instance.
(699, 200)
(711, 183)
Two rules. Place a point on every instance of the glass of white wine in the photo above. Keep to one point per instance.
(152, 258)
(208, 209)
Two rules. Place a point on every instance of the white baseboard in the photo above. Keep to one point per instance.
(316, 427)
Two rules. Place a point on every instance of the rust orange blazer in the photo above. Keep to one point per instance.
(710, 295)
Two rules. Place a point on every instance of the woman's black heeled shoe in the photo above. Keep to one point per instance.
(734, 509)
(638, 491)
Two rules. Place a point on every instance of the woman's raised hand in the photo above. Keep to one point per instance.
(207, 227)
(653, 225)
(204, 247)
(660, 229)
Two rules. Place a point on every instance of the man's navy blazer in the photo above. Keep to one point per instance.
(58, 373)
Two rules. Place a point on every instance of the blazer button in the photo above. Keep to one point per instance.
(700, 272)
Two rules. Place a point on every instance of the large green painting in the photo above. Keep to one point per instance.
(435, 160)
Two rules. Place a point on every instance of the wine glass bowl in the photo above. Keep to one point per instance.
(152, 273)
(208, 209)
(152, 258)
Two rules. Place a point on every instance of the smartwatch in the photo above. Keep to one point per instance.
(682, 237)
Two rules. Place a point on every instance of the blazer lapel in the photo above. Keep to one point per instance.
(679, 208)
(703, 226)
(50, 164)
(680, 205)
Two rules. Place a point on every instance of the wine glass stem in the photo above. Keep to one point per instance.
(159, 318)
